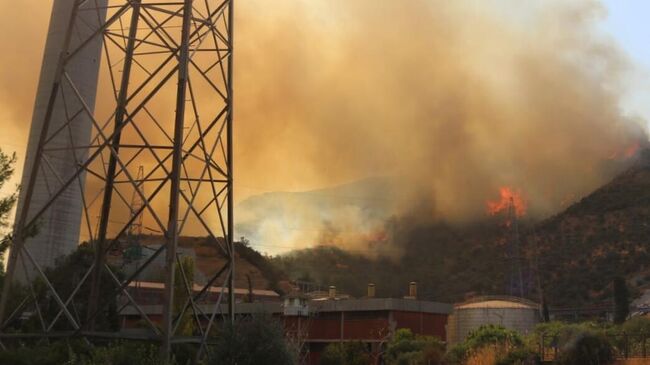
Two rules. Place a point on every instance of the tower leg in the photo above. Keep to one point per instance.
(172, 227)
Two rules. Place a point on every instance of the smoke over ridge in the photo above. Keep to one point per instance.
(446, 101)
(452, 99)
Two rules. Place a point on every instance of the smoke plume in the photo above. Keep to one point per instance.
(447, 101)
(453, 100)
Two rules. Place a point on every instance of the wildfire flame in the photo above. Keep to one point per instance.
(626, 152)
(508, 196)
(631, 150)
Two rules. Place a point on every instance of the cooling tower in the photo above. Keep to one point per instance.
(58, 229)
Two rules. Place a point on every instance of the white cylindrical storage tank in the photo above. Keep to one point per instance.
(58, 228)
(513, 313)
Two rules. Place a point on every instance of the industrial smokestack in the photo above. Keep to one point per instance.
(371, 290)
(332, 292)
(58, 228)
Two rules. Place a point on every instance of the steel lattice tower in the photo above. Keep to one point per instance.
(161, 98)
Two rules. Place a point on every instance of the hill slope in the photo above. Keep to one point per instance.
(604, 235)
(208, 260)
(573, 256)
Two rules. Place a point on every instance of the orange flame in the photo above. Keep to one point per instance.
(626, 152)
(508, 196)
(631, 150)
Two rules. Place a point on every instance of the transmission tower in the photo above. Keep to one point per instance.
(161, 132)
(137, 205)
(132, 250)
(513, 251)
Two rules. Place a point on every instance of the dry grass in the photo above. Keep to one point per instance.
(633, 362)
(485, 356)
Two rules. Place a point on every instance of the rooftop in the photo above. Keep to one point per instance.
(348, 305)
(497, 302)
(197, 288)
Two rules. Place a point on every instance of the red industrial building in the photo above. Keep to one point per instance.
(368, 320)
(315, 323)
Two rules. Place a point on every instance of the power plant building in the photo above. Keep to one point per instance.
(316, 319)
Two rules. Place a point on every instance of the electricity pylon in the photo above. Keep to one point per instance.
(164, 102)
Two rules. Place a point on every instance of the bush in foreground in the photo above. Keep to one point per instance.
(252, 341)
(78, 353)
(490, 345)
(406, 348)
(346, 353)
(587, 349)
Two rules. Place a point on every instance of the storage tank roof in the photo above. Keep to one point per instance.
(497, 302)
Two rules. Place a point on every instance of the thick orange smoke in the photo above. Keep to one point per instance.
(449, 100)
(452, 100)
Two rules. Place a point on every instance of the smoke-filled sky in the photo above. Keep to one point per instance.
(450, 99)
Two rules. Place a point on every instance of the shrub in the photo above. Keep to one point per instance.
(629, 337)
(348, 353)
(55, 354)
(457, 354)
(493, 335)
(119, 353)
(490, 345)
(636, 325)
(556, 333)
(516, 356)
(252, 341)
(406, 348)
(587, 348)
(76, 352)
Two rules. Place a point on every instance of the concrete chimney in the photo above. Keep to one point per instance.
(332, 292)
(59, 226)
(371, 290)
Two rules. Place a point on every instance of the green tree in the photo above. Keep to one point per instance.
(546, 317)
(407, 348)
(621, 300)
(7, 202)
(346, 353)
(252, 341)
(587, 348)
(65, 275)
(508, 346)
(636, 325)
(493, 335)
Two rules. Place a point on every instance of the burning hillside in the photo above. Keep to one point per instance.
(572, 256)
(465, 105)
(509, 198)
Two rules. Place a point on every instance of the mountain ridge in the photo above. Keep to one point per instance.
(572, 256)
